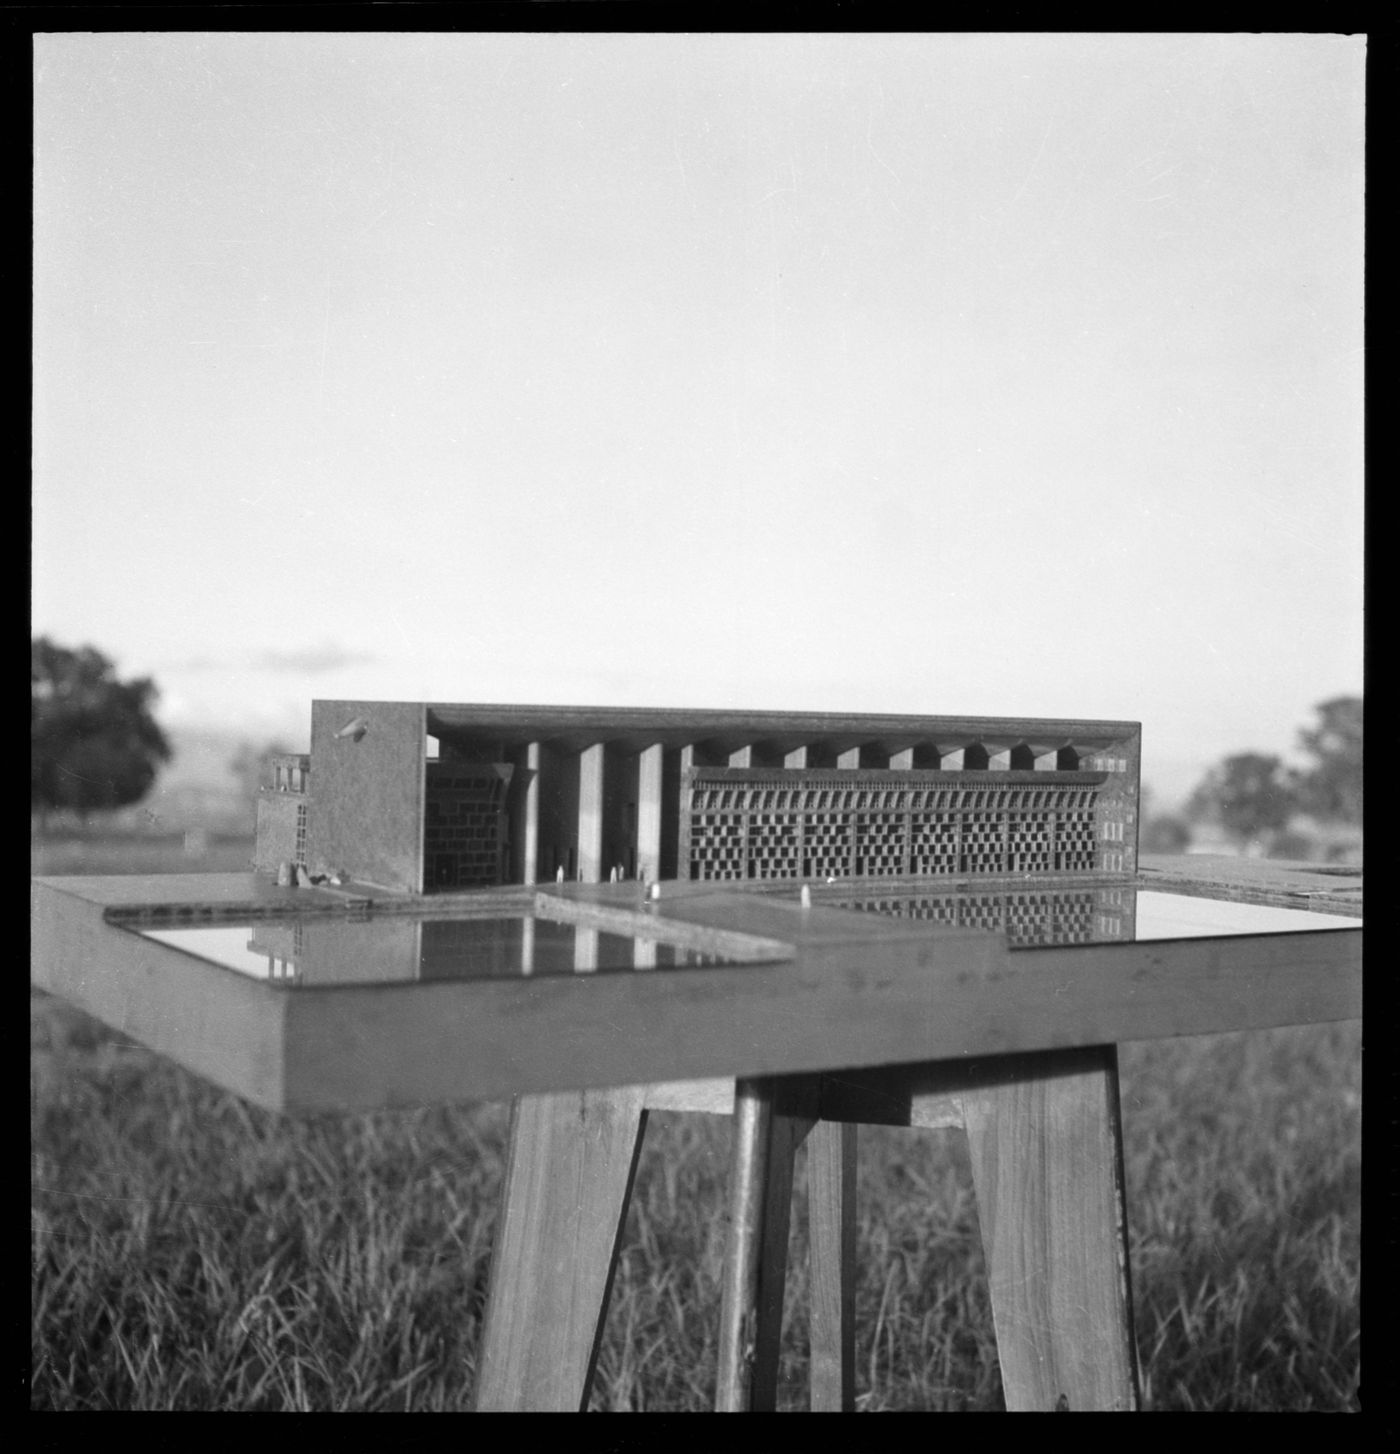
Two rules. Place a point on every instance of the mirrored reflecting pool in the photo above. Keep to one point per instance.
(321, 950)
(396, 948)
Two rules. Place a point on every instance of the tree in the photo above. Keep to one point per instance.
(1160, 832)
(1165, 833)
(93, 742)
(1330, 789)
(1248, 794)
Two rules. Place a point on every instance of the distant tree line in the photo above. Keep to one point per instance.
(1255, 798)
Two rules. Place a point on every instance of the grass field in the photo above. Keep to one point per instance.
(191, 1252)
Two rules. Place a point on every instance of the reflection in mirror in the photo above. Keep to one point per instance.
(323, 950)
(1039, 918)
(398, 948)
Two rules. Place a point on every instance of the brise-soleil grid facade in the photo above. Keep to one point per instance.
(743, 824)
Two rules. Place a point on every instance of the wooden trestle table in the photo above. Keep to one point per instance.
(803, 1019)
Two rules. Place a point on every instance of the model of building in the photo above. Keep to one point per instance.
(428, 797)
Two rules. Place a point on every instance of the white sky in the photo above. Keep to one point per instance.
(945, 374)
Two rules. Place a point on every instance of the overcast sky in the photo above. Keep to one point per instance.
(947, 374)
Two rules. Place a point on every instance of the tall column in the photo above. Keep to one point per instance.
(649, 814)
(590, 814)
(531, 827)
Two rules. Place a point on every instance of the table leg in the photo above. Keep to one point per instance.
(766, 1136)
(568, 1178)
(831, 1182)
(1046, 1153)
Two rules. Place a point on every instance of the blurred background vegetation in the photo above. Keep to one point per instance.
(1255, 803)
(113, 791)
